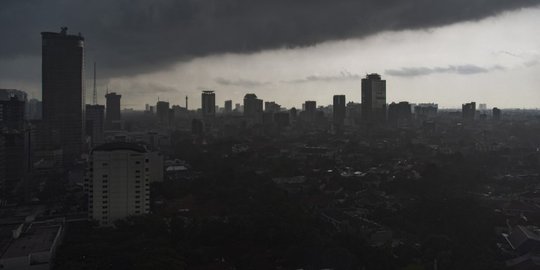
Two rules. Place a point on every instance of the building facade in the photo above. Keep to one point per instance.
(118, 181)
(373, 98)
(62, 72)
(95, 124)
(113, 116)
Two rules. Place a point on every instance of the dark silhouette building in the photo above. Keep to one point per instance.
(228, 106)
(373, 98)
(162, 112)
(399, 113)
(468, 111)
(339, 111)
(63, 87)
(208, 99)
(113, 117)
(271, 106)
(497, 113)
(12, 113)
(253, 108)
(424, 111)
(95, 123)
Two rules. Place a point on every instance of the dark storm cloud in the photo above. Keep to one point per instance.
(134, 36)
(421, 71)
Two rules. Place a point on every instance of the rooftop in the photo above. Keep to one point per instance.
(36, 239)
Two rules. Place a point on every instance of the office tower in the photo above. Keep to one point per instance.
(294, 114)
(95, 123)
(228, 106)
(208, 99)
(373, 98)
(113, 117)
(339, 110)
(162, 112)
(497, 113)
(12, 112)
(238, 107)
(310, 106)
(62, 70)
(399, 113)
(271, 106)
(424, 111)
(14, 141)
(468, 111)
(118, 181)
(253, 107)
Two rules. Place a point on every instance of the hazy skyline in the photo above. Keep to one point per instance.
(453, 56)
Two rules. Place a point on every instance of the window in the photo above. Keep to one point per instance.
(104, 164)
(137, 162)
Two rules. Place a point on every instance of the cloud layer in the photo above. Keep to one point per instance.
(422, 71)
(130, 37)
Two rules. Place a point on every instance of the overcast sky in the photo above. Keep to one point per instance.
(288, 51)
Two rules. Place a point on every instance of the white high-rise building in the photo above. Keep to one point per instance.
(118, 181)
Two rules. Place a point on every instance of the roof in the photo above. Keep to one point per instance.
(36, 239)
(520, 235)
(54, 35)
(118, 146)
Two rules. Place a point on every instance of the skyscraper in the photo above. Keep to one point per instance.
(339, 111)
(113, 117)
(228, 106)
(95, 123)
(62, 71)
(162, 112)
(399, 113)
(373, 98)
(208, 99)
(468, 111)
(497, 114)
(118, 181)
(253, 107)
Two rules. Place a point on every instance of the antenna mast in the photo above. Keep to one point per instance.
(95, 90)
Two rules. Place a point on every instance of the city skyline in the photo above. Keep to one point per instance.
(459, 61)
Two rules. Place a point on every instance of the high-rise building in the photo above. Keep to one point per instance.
(253, 107)
(468, 111)
(95, 123)
(271, 106)
(373, 98)
(339, 110)
(118, 181)
(62, 69)
(424, 111)
(162, 112)
(399, 113)
(14, 141)
(497, 113)
(12, 113)
(208, 99)
(228, 106)
(113, 117)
